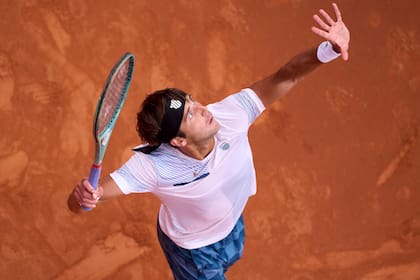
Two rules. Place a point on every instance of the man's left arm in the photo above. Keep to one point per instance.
(281, 82)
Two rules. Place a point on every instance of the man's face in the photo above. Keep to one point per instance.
(198, 123)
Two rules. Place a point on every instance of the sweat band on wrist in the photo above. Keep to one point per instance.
(326, 53)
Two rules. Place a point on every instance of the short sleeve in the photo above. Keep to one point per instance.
(137, 175)
(250, 103)
(238, 111)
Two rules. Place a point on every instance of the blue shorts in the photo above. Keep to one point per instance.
(205, 263)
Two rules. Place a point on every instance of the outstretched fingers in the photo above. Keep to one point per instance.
(327, 17)
(320, 32)
(321, 23)
(332, 30)
(337, 12)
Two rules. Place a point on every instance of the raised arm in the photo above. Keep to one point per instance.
(281, 82)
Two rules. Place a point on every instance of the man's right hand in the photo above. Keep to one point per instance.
(84, 195)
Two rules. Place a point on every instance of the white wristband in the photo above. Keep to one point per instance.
(326, 53)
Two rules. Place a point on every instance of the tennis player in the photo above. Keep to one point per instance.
(197, 160)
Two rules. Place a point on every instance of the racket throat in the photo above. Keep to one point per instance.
(104, 138)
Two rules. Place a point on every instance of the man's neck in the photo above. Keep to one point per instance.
(198, 151)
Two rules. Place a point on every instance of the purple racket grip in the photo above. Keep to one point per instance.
(95, 173)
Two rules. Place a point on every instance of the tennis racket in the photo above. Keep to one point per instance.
(107, 111)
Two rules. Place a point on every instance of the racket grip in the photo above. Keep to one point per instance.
(95, 174)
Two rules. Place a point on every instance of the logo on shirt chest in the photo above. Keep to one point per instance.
(224, 146)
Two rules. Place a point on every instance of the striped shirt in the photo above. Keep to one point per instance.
(201, 199)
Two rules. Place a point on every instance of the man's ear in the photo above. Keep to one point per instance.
(178, 141)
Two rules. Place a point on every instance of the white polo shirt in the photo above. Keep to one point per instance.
(201, 199)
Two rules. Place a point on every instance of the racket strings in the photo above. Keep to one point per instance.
(112, 97)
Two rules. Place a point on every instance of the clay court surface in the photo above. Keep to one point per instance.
(338, 159)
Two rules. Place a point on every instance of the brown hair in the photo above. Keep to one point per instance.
(149, 118)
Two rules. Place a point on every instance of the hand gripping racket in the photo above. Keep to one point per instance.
(107, 111)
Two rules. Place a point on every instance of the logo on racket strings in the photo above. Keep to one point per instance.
(175, 104)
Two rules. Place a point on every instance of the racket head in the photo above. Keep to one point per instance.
(110, 103)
